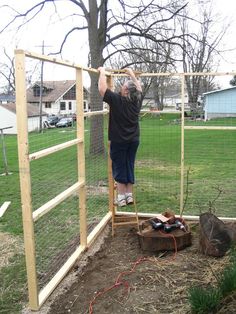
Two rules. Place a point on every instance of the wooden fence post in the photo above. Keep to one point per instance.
(81, 156)
(182, 146)
(25, 180)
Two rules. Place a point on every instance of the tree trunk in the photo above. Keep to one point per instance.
(97, 125)
(97, 35)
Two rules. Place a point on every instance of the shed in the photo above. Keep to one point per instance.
(220, 103)
(8, 117)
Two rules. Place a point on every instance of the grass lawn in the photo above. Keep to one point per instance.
(209, 161)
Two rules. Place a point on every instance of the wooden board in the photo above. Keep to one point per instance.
(4, 207)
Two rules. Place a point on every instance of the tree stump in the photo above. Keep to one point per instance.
(214, 237)
(158, 240)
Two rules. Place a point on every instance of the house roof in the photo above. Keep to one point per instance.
(56, 89)
(219, 90)
(32, 110)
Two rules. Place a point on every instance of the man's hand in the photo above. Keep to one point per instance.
(102, 81)
(101, 70)
(134, 79)
(129, 72)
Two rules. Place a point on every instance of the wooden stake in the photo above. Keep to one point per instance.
(81, 156)
(182, 146)
(25, 181)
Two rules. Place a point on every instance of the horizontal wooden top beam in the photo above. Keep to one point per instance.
(45, 58)
(116, 72)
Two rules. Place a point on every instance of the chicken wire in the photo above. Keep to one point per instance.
(209, 179)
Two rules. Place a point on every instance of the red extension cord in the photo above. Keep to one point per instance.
(119, 280)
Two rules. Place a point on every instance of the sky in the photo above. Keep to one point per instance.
(32, 36)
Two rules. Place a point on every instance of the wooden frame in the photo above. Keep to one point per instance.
(25, 181)
(37, 298)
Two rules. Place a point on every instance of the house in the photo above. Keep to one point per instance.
(58, 97)
(169, 92)
(8, 117)
(220, 103)
(7, 98)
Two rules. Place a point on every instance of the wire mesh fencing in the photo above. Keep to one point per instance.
(201, 147)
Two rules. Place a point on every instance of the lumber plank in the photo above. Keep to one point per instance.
(3, 208)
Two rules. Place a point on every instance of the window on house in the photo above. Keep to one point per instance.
(36, 90)
(70, 105)
(62, 105)
(48, 105)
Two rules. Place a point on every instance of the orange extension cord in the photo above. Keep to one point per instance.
(119, 280)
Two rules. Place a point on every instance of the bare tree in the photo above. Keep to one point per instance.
(7, 73)
(198, 50)
(109, 24)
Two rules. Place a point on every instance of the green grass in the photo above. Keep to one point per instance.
(209, 156)
(13, 286)
(204, 301)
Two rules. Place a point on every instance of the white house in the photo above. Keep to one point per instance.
(8, 118)
(220, 103)
(58, 97)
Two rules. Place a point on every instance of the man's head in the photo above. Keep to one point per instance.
(129, 90)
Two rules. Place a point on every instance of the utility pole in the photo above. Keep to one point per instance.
(41, 91)
(41, 94)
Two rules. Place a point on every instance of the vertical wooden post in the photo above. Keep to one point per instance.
(111, 183)
(182, 144)
(81, 156)
(25, 180)
(110, 84)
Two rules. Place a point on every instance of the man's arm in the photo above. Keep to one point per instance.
(102, 81)
(133, 78)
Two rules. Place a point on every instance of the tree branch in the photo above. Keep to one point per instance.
(65, 39)
(38, 6)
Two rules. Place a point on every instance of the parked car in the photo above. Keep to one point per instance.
(64, 122)
(52, 120)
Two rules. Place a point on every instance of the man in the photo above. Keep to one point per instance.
(123, 131)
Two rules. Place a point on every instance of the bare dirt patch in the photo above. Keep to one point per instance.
(121, 278)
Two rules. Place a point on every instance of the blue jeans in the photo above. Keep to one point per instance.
(123, 158)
